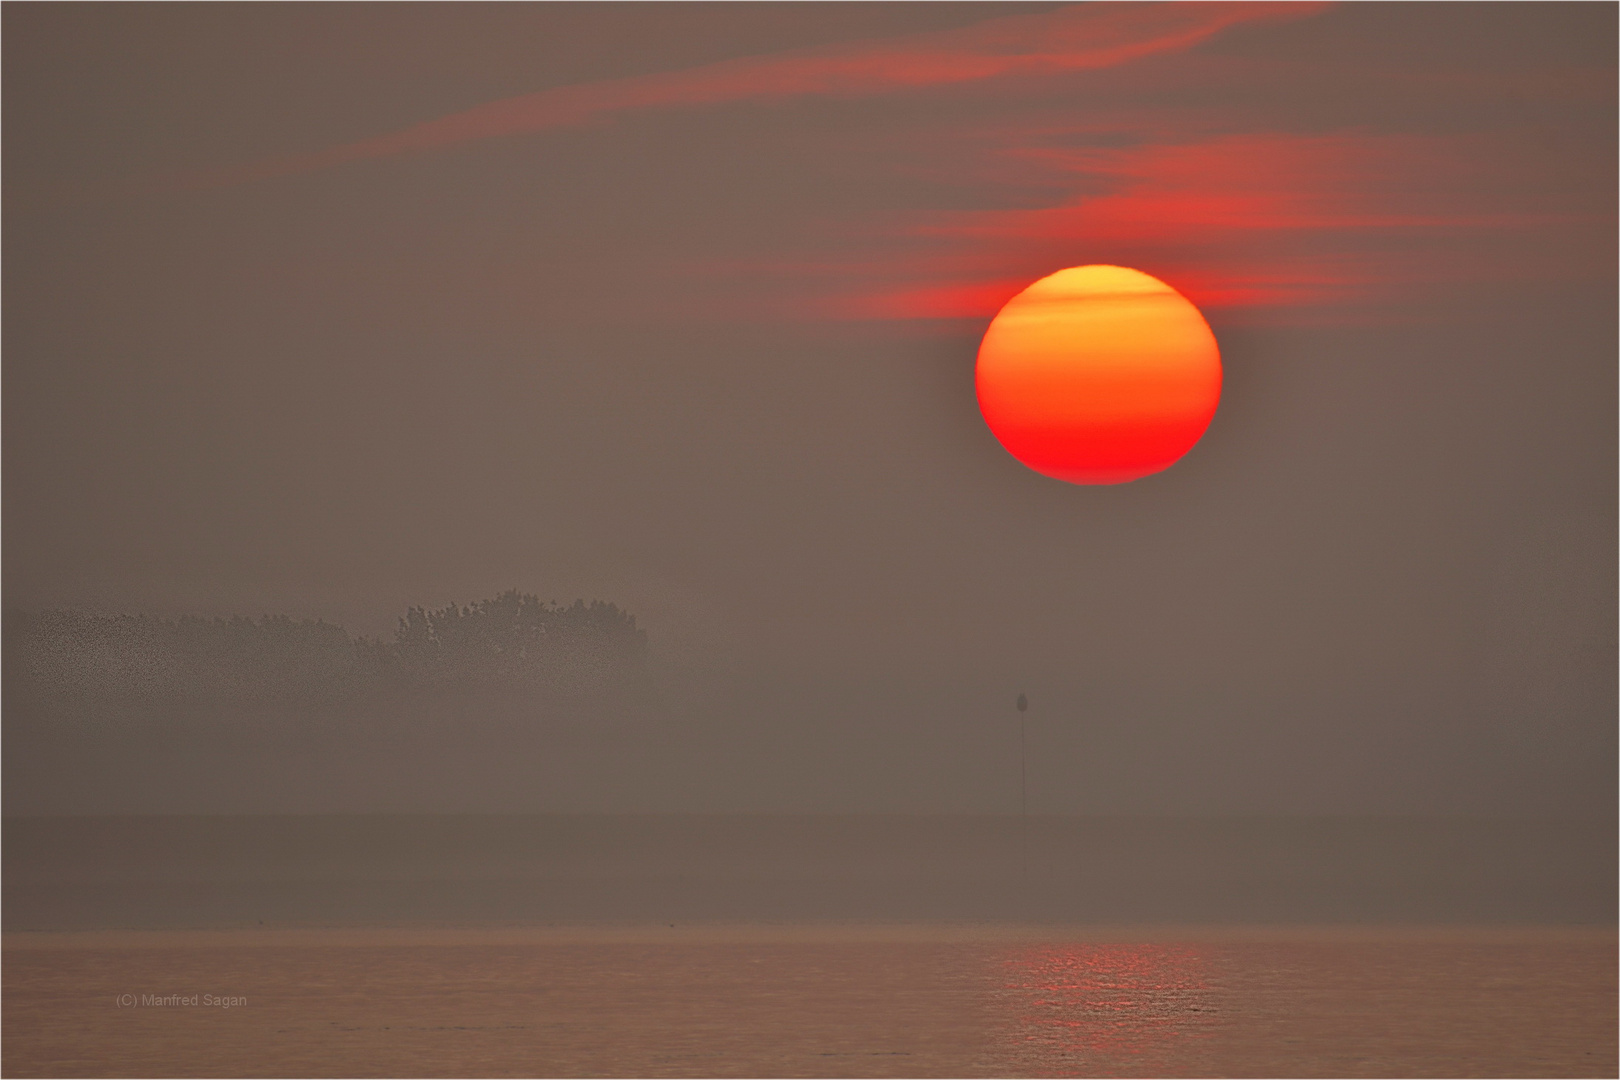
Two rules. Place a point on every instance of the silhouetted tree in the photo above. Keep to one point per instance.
(516, 639)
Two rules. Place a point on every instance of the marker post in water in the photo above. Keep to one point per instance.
(1023, 790)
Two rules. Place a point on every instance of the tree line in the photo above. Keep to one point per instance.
(512, 642)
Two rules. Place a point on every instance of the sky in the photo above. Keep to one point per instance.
(332, 310)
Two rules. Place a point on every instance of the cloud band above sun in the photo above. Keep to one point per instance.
(1075, 38)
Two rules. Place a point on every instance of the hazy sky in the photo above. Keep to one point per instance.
(335, 309)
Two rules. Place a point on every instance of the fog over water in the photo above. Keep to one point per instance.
(505, 572)
(585, 361)
(223, 873)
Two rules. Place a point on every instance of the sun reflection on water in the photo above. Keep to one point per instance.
(1105, 1009)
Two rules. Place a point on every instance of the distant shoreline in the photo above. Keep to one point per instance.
(184, 874)
(802, 933)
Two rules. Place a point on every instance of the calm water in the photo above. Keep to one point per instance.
(838, 1001)
(799, 946)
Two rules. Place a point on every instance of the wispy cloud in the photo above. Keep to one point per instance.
(1077, 38)
(1250, 184)
(1258, 220)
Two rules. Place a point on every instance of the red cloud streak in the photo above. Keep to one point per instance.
(1075, 38)
(1266, 220)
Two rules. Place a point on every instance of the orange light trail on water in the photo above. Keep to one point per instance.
(1106, 1009)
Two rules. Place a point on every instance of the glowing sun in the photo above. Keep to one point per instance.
(1098, 375)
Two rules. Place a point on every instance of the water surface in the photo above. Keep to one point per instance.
(812, 1001)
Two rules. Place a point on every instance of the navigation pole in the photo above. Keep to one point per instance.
(1023, 791)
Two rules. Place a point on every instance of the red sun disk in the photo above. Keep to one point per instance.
(1098, 375)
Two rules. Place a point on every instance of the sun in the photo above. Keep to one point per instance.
(1098, 375)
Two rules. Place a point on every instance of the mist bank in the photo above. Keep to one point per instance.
(910, 744)
(69, 667)
(108, 712)
(520, 706)
(534, 870)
